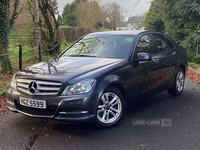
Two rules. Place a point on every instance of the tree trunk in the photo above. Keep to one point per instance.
(37, 32)
(4, 56)
(4, 36)
(52, 25)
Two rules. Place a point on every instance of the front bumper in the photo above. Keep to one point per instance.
(76, 108)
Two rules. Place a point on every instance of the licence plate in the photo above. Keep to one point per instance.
(33, 103)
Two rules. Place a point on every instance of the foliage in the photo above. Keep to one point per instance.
(115, 13)
(6, 25)
(154, 18)
(88, 14)
(106, 25)
(138, 25)
(78, 1)
(195, 66)
(98, 25)
(181, 22)
(69, 16)
(72, 34)
(60, 19)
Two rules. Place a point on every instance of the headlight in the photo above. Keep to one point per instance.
(79, 88)
(13, 82)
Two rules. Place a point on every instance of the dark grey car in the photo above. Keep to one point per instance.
(99, 76)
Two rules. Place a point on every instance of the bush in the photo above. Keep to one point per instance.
(71, 34)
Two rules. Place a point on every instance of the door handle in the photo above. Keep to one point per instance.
(156, 61)
(173, 53)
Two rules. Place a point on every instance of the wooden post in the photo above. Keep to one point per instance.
(20, 57)
(39, 49)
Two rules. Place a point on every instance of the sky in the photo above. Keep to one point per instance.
(128, 5)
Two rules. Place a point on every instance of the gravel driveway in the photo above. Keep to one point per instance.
(20, 132)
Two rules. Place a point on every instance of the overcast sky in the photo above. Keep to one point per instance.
(128, 5)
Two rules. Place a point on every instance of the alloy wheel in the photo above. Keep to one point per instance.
(109, 108)
(179, 81)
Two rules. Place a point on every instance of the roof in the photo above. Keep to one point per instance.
(131, 20)
(129, 32)
(121, 24)
(134, 19)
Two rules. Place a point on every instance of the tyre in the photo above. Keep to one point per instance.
(110, 108)
(178, 84)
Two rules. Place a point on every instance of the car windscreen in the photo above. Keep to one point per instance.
(110, 46)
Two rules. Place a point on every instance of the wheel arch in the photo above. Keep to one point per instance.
(183, 68)
(118, 86)
(112, 81)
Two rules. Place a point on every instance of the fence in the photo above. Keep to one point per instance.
(21, 50)
(20, 58)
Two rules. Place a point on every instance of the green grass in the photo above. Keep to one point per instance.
(27, 59)
(195, 66)
(3, 88)
(64, 46)
(63, 26)
(27, 54)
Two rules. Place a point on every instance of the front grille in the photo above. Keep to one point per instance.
(41, 87)
(49, 111)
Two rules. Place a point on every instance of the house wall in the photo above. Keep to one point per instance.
(121, 28)
(129, 27)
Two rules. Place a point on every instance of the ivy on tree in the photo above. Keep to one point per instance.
(6, 25)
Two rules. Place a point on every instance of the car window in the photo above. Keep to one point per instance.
(170, 44)
(145, 45)
(160, 42)
(111, 46)
(129, 39)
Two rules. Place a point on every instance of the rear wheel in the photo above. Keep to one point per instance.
(110, 108)
(178, 84)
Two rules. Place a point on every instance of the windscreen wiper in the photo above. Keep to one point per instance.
(81, 55)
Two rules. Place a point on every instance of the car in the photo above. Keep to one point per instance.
(98, 76)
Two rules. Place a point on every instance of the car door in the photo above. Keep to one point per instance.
(168, 58)
(145, 74)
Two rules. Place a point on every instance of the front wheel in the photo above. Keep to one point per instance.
(178, 84)
(110, 108)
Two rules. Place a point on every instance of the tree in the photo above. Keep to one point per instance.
(181, 21)
(7, 20)
(107, 25)
(69, 16)
(88, 14)
(60, 19)
(50, 25)
(98, 25)
(115, 13)
(37, 29)
(154, 19)
(78, 1)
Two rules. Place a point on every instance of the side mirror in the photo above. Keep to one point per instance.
(144, 57)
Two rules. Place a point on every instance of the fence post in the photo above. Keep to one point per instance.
(20, 57)
(40, 56)
(58, 48)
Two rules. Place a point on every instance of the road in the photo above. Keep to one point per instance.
(20, 132)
